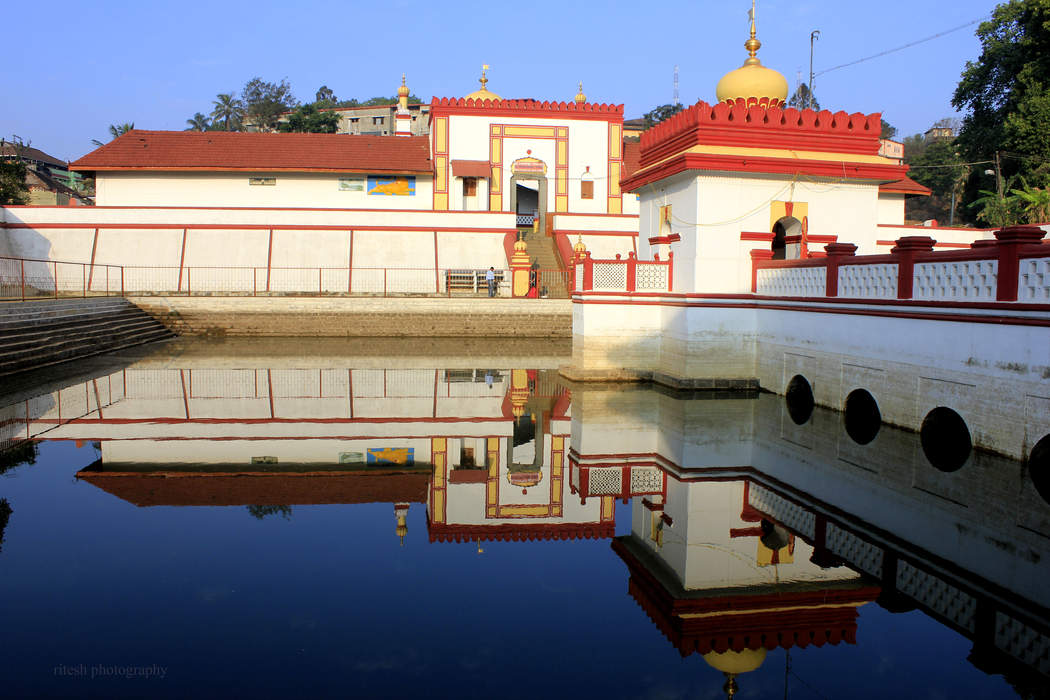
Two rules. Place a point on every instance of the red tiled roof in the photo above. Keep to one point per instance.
(259, 152)
(905, 186)
(632, 153)
(471, 168)
(260, 488)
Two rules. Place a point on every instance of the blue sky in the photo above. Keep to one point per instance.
(85, 65)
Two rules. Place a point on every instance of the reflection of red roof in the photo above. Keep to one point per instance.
(260, 488)
(215, 151)
(505, 532)
(771, 616)
(905, 186)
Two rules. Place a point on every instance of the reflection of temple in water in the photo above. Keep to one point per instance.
(749, 532)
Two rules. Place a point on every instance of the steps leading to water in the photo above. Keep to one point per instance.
(542, 250)
(36, 334)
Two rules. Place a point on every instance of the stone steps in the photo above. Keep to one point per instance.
(41, 333)
(543, 250)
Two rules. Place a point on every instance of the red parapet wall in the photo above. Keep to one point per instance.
(626, 275)
(445, 105)
(757, 125)
(988, 271)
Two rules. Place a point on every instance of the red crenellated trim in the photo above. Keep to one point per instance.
(515, 532)
(684, 162)
(756, 126)
(447, 106)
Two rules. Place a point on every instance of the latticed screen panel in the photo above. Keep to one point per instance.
(972, 280)
(611, 276)
(1033, 280)
(606, 481)
(944, 599)
(651, 276)
(868, 281)
(793, 281)
(646, 480)
(790, 514)
(1022, 642)
(860, 554)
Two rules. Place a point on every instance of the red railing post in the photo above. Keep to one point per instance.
(55, 268)
(1010, 239)
(255, 281)
(836, 252)
(757, 256)
(22, 264)
(905, 251)
(670, 270)
(588, 272)
(632, 271)
(122, 290)
(83, 281)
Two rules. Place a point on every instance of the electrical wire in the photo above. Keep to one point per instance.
(901, 48)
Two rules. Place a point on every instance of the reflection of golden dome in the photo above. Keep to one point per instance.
(483, 93)
(752, 80)
(580, 97)
(736, 661)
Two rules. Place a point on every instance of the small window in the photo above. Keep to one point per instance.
(587, 189)
(470, 187)
(262, 181)
(355, 119)
(377, 120)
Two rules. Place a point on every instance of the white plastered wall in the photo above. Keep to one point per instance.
(233, 190)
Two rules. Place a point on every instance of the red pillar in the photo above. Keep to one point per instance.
(835, 254)
(1010, 240)
(588, 272)
(756, 255)
(632, 271)
(905, 251)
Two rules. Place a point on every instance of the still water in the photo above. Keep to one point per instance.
(450, 520)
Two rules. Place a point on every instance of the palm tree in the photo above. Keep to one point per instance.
(229, 111)
(1034, 201)
(116, 130)
(198, 122)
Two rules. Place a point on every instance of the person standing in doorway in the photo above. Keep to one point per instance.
(490, 277)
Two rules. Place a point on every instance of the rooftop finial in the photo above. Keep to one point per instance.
(752, 44)
(484, 78)
(580, 97)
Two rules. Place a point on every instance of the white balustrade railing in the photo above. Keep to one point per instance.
(793, 281)
(878, 281)
(956, 280)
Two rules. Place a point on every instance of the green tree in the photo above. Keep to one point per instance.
(227, 112)
(13, 189)
(1034, 202)
(803, 98)
(379, 101)
(115, 131)
(888, 130)
(198, 122)
(265, 102)
(657, 115)
(325, 97)
(260, 512)
(936, 164)
(1005, 92)
(5, 516)
(309, 119)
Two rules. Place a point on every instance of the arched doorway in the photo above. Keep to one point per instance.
(787, 233)
(533, 200)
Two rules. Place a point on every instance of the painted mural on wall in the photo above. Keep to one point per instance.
(400, 186)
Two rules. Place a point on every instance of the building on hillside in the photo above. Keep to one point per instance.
(49, 179)
(939, 133)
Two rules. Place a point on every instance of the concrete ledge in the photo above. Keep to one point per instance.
(391, 317)
(626, 375)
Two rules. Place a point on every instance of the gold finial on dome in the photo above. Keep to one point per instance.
(483, 93)
(753, 81)
(402, 95)
(580, 97)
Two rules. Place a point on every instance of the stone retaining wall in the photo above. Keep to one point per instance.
(390, 317)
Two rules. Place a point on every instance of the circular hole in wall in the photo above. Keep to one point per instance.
(1039, 467)
(863, 417)
(945, 439)
(799, 396)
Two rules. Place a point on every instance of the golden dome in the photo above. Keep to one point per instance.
(752, 80)
(403, 90)
(736, 661)
(483, 93)
(580, 97)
